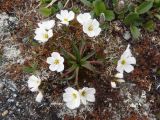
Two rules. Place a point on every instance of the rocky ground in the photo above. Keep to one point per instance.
(136, 99)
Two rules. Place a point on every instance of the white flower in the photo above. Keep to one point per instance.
(39, 97)
(56, 62)
(47, 25)
(65, 16)
(113, 84)
(126, 61)
(72, 98)
(91, 28)
(33, 83)
(87, 94)
(82, 18)
(43, 35)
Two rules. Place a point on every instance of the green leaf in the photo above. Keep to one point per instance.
(82, 48)
(157, 16)
(131, 19)
(45, 11)
(135, 32)
(86, 3)
(150, 25)
(99, 7)
(68, 55)
(45, 1)
(76, 52)
(60, 5)
(88, 56)
(157, 3)
(71, 77)
(144, 7)
(109, 15)
(30, 69)
(88, 66)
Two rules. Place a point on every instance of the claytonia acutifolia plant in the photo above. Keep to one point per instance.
(43, 35)
(72, 98)
(33, 84)
(126, 61)
(87, 95)
(82, 18)
(78, 60)
(65, 16)
(47, 25)
(91, 28)
(56, 62)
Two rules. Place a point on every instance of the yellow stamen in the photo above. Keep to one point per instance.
(45, 36)
(90, 28)
(83, 93)
(123, 62)
(56, 61)
(65, 19)
(74, 95)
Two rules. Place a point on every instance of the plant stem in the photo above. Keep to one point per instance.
(96, 62)
(51, 3)
(76, 79)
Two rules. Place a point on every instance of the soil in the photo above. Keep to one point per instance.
(136, 99)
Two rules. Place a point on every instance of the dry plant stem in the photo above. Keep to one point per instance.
(96, 62)
(51, 3)
(76, 79)
(66, 3)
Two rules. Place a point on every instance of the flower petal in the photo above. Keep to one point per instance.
(67, 97)
(50, 33)
(50, 60)
(53, 67)
(131, 60)
(59, 16)
(128, 68)
(120, 68)
(113, 84)
(60, 68)
(119, 75)
(55, 55)
(39, 97)
(71, 15)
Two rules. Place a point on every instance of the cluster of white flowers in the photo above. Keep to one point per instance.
(33, 84)
(124, 64)
(90, 26)
(44, 32)
(74, 98)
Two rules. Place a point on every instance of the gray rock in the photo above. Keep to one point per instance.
(1, 86)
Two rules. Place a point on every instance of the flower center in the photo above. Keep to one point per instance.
(56, 61)
(123, 62)
(65, 19)
(74, 95)
(83, 93)
(45, 36)
(90, 28)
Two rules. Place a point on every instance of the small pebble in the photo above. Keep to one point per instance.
(127, 35)
(1, 86)
(5, 113)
